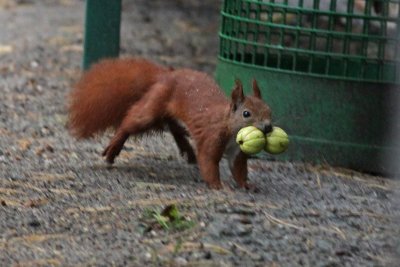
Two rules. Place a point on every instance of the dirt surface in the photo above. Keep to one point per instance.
(60, 205)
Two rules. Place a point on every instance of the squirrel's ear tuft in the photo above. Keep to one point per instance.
(256, 89)
(237, 95)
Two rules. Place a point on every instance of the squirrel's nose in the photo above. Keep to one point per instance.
(267, 128)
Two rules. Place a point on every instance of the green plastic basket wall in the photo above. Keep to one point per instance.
(327, 68)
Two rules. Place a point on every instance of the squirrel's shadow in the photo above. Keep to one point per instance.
(154, 170)
(151, 170)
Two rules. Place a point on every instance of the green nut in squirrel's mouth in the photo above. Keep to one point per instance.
(277, 141)
(251, 140)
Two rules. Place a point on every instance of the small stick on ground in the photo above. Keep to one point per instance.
(318, 181)
(333, 229)
(34, 239)
(244, 250)
(282, 222)
(39, 262)
(9, 191)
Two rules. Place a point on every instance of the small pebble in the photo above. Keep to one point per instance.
(34, 223)
(180, 261)
(147, 255)
(153, 233)
(34, 64)
(323, 245)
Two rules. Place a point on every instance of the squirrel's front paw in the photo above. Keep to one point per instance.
(215, 186)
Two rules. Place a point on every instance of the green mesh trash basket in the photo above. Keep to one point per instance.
(328, 69)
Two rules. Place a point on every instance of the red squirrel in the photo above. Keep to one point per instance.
(135, 96)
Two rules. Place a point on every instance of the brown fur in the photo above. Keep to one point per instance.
(135, 96)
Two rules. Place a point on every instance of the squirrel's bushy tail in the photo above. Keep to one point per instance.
(104, 94)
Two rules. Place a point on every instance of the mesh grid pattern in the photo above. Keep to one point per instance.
(346, 39)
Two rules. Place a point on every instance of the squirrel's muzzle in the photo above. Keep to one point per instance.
(265, 127)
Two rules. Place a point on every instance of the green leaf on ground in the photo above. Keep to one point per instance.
(169, 219)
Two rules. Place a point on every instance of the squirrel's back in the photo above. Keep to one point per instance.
(105, 92)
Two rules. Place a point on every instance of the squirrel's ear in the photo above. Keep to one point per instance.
(237, 95)
(256, 89)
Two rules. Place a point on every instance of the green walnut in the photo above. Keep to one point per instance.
(251, 140)
(277, 141)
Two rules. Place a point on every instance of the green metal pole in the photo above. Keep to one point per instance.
(102, 30)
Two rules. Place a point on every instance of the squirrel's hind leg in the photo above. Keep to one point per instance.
(141, 117)
(180, 135)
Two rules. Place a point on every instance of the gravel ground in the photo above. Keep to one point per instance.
(60, 205)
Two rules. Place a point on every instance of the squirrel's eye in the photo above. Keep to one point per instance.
(246, 114)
